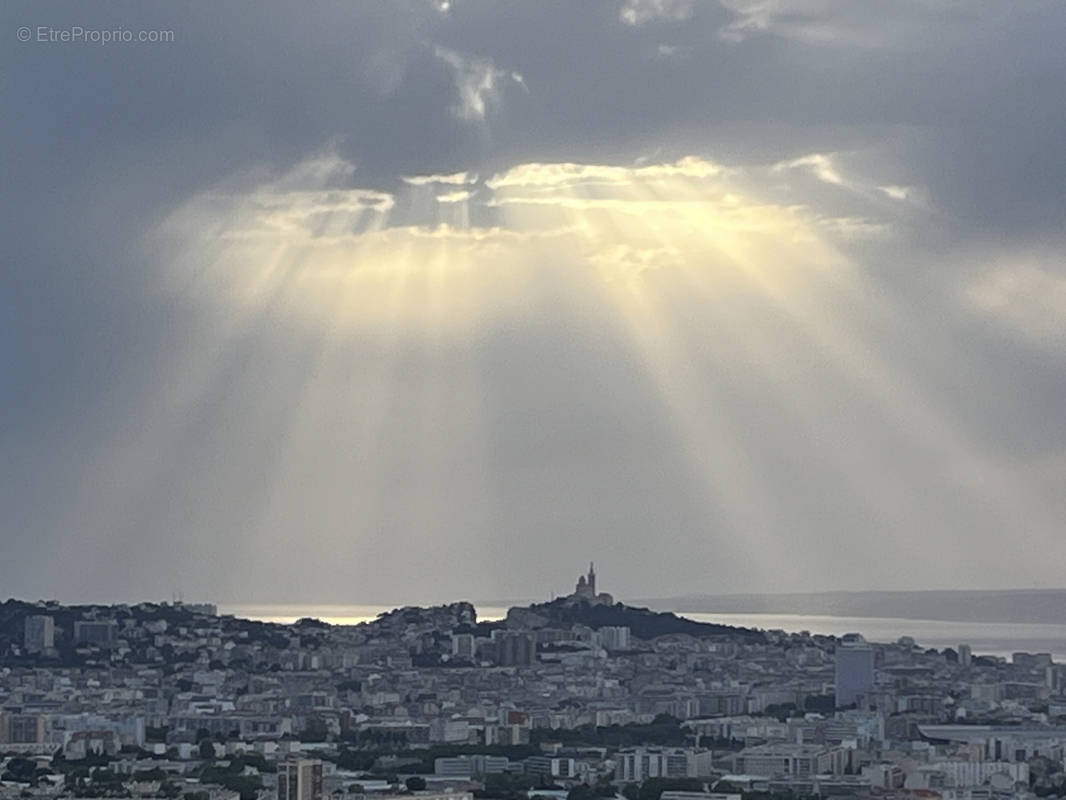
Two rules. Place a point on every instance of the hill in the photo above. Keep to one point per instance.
(643, 623)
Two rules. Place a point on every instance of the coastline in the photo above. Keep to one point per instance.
(999, 639)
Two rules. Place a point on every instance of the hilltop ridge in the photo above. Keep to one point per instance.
(643, 623)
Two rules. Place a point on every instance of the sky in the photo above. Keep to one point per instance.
(410, 302)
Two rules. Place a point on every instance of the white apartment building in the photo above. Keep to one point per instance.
(39, 633)
(790, 760)
(614, 637)
(960, 774)
(637, 764)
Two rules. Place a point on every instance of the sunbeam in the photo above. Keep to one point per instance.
(747, 317)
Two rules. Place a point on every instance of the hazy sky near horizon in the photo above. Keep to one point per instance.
(405, 302)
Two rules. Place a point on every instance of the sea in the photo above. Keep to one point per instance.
(1000, 639)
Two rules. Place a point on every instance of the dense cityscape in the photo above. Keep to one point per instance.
(574, 699)
(336, 338)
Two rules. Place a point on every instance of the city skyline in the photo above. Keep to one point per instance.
(570, 699)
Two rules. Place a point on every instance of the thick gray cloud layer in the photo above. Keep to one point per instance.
(902, 428)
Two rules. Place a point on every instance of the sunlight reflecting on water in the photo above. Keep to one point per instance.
(287, 614)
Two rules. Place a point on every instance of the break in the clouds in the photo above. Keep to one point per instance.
(420, 300)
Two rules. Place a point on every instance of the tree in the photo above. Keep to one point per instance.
(821, 703)
(22, 770)
(604, 788)
(153, 734)
(355, 760)
(415, 783)
(507, 786)
(315, 730)
(653, 788)
(207, 749)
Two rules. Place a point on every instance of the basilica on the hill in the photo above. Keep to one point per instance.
(586, 590)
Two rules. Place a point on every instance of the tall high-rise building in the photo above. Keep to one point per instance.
(463, 645)
(300, 779)
(614, 637)
(965, 655)
(854, 670)
(23, 728)
(39, 633)
(101, 633)
(516, 650)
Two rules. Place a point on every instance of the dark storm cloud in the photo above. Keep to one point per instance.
(962, 102)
